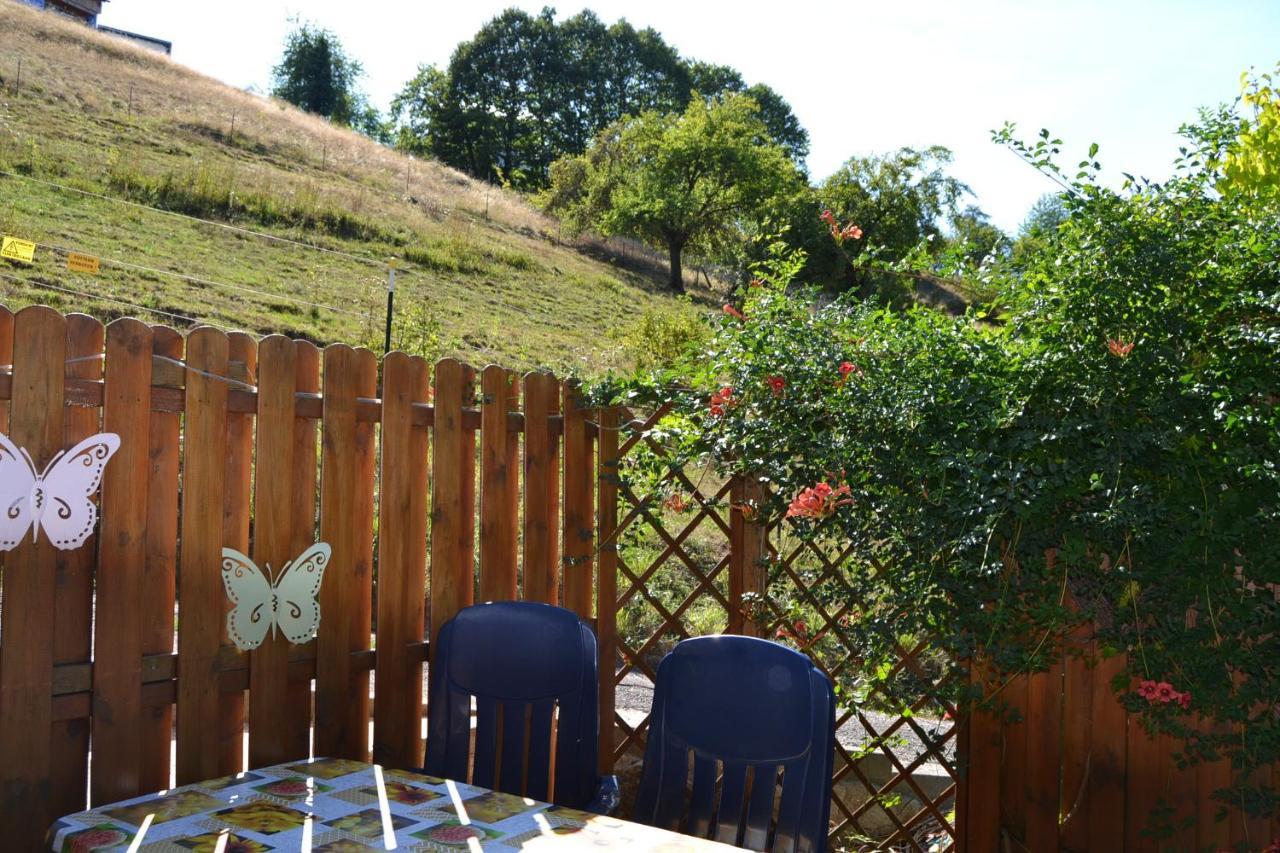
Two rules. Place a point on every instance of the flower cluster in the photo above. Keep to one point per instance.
(1162, 692)
(720, 400)
(839, 234)
(1119, 347)
(676, 503)
(818, 501)
(846, 369)
(776, 384)
(734, 312)
(798, 630)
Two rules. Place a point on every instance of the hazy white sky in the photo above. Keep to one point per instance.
(862, 77)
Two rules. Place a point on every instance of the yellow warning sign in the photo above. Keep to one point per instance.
(77, 262)
(14, 249)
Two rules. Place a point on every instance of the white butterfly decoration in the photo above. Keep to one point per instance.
(287, 603)
(57, 500)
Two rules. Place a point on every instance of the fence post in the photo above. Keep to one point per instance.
(607, 583)
(747, 574)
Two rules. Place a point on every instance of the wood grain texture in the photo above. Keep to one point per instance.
(1108, 758)
(26, 645)
(402, 536)
(747, 547)
(541, 489)
(346, 523)
(74, 616)
(499, 487)
(273, 547)
(607, 585)
(117, 688)
(201, 598)
(303, 511)
(982, 773)
(237, 504)
(160, 573)
(452, 510)
(1044, 757)
(1077, 732)
(579, 507)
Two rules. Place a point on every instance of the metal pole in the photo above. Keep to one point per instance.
(391, 301)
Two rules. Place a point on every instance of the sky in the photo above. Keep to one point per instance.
(862, 77)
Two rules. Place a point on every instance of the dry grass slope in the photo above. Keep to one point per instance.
(484, 275)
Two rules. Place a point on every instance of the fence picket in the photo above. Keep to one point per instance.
(273, 543)
(346, 523)
(579, 522)
(607, 586)
(159, 587)
(541, 489)
(117, 670)
(6, 359)
(402, 537)
(1044, 756)
(201, 599)
(499, 487)
(452, 508)
(303, 525)
(1108, 757)
(26, 645)
(72, 637)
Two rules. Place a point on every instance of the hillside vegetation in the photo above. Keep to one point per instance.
(482, 275)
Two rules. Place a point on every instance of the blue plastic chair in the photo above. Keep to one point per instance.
(749, 709)
(520, 661)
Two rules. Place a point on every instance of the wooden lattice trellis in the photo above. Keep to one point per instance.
(740, 558)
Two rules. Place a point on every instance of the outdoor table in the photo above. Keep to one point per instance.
(336, 804)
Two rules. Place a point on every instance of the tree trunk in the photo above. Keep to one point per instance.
(675, 249)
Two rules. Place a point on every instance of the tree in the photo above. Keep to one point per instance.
(899, 200)
(695, 178)
(1040, 226)
(527, 89)
(316, 75)
(975, 240)
(713, 81)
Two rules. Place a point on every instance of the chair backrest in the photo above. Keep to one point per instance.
(528, 667)
(761, 715)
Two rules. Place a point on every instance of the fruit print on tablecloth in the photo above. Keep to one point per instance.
(365, 824)
(491, 807)
(179, 804)
(452, 835)
(259, 815)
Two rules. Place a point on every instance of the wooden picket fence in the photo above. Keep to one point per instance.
(265, 446)
(436, 486)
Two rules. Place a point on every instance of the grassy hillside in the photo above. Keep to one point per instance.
(482, 274)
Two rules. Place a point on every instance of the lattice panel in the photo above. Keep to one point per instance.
(673, 556)
(895, 773)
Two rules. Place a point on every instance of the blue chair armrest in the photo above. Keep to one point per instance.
(607, 797)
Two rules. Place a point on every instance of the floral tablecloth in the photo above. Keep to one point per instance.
(334, 804)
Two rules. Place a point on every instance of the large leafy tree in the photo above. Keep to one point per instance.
(712, 81)
(527, 89)
(316, 74)
(701, 177)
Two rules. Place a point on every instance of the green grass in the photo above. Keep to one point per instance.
(483, 275)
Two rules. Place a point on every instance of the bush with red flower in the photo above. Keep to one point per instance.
(1104, 456)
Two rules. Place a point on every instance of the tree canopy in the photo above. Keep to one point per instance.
(527, 89)
(316, 74)
(700, 177)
